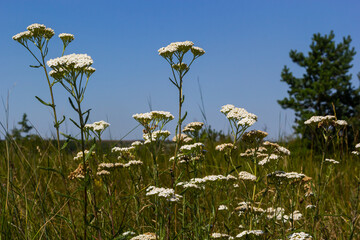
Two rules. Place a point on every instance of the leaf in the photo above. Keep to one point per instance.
(43, 102)
(57, 124)
(72, 105)
(68, 136)
(90, 151)
(75, 123)
(183, 118)
(32, 66)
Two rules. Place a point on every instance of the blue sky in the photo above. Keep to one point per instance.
(247, 43)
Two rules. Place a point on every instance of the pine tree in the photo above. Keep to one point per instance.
(325, 84)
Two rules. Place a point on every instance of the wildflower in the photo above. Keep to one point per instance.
(103, 172)
(219, 235)
(341, 122)
(36, 27)
(180, 67)
(310, 206)
(280, 175)
(97, 126)
(249, 233)
(248, 120)
(268, 159)
(167, 193)
(132, 162)
(224, 147)
(355, 153)
(245, 176)
(156, 135)
(79, 155)
(227, 108)
(189, 185)
(183, 138)
(331, 161)
(79, 172)
(243, 206)
(197, 51)
(193, 127)
(254, 136)
(145, 236)
(22, 37)
(182, 46)
(143, 118)
(357, 145)
(277, 148)
(106, 165)
(319, 119)
(66, 38)
(127, 233)
(300, 236)
(123, 150)
(276, 213)
(296, 215)
(223, 207)
(161, 115)
(191, 147)
(136, 144)
(71, 62)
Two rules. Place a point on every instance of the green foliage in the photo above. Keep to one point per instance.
(25, 128)
(325, 85)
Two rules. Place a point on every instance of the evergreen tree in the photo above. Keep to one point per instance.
(325, 85)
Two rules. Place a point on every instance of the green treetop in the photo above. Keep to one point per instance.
(325, 85)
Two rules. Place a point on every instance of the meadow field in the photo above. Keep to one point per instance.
(191, 182)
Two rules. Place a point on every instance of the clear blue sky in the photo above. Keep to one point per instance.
(247, 43)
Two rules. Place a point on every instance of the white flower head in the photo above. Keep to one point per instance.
(72, 62)
(328, 160)
(223, 207)
(250, 233)
(300, 236)
(98, 127)
(197, 51)
(66, 38)
(245, 176)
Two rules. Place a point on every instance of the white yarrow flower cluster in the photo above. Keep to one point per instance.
(239, 115)
(136, 144)
(156, 135)
(223, 207)
(79, 155)
(183, 138)
(123, 150)
(318, 119)
(103, 172)
(246, 176)
(71, 61)
(66, 37)
(167, 193)
(341, 122)
(191, 147)
(300, 236)
(132, 163)
(287, 175)
(193, 127)
(331, 161)
(249, 233)
(224, 147)
(97, 126)
(36, 32)
(220, 235)
(127, 233)
(145, 236)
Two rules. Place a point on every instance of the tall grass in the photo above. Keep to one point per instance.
(201, 185)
